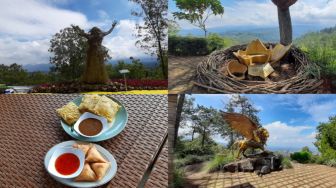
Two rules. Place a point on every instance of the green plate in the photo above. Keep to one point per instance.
(117, 125)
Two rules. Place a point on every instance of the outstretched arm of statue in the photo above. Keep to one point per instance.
(110, 31)
(80, 31)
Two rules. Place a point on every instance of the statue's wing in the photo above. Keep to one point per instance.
(241, 123)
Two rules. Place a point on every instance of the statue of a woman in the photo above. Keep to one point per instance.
(95, 71)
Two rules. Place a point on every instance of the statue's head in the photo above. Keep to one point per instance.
(263, 134)
(95, 30)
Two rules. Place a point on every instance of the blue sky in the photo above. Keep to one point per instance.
(26, 27)
(290, 119)
(263, 13)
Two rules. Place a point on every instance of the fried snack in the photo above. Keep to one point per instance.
(107, 108)
(87, 174)
(84, 147)
(93, 156)
(100, 169)
(69, 113)
(88, 103)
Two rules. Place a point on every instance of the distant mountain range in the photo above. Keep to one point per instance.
(148, 62)
(244, 34)
(37, 67)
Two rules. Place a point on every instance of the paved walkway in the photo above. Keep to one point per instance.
(302, 175)
(181, 70)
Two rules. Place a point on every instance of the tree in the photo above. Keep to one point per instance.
(205, 120)
(96, 55)
(188, 116)
(69, 53)
(197, 12)
(179, 107)
(238, 104)
(13, 74)
(326, 139)
(285, 22)
(153, 34)
(173, 28)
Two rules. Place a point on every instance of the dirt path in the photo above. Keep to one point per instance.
(302, 175)
(181, 70)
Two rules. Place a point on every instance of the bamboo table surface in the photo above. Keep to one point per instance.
(29, 127)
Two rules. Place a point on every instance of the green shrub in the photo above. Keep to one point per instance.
(286, 163)
(178, 179)
(216, 42)
(321, 49)
(3, 87)
(187, 46)
(219, 161)
(197, 46)
(190, 159)
(195, 148)
(326, 139)
(331, 162)
(301, 157)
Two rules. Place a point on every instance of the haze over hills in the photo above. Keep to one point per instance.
(149, 62)
(244, 34)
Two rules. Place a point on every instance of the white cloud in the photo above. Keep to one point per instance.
(319, 110)
(286, 136)
(122, 43)
(32, 18)
(24, 52)
(256, 13)
(26, 27)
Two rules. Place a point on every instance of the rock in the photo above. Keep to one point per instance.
(247, 165)
(261, 164)
(231, 167)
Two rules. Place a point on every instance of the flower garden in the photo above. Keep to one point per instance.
(115, 85)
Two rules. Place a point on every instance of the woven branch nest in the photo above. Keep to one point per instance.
(209, 76)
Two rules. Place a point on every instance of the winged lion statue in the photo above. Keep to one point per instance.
(255, 136)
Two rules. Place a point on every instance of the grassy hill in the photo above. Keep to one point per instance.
(321, 49)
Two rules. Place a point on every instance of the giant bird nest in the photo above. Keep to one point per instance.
(293, 74)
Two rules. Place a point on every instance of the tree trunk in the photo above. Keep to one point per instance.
(231, 139)
(172, 105)
(178, 115)
(162, 60)
(205, 32)
(285, 26)
(203, 137)
(192, 135)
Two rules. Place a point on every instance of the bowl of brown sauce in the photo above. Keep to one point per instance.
(90, 125)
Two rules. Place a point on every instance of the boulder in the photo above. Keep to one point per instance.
(261, 164)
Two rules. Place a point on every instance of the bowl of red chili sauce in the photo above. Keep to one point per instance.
(66, 162)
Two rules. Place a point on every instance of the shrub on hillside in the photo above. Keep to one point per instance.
(301, 157)
(220, 160)
(187, 46)
(326, 139)
(191, 159)
(178, 178)
(331, 162)
(286, 163)
(320, 47)
(197, 46)
(217, 42)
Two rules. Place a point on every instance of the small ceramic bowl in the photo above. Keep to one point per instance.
(88, 115)
(58, 152)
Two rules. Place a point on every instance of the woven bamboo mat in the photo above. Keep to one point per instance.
(29, 127)
(159, 176)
